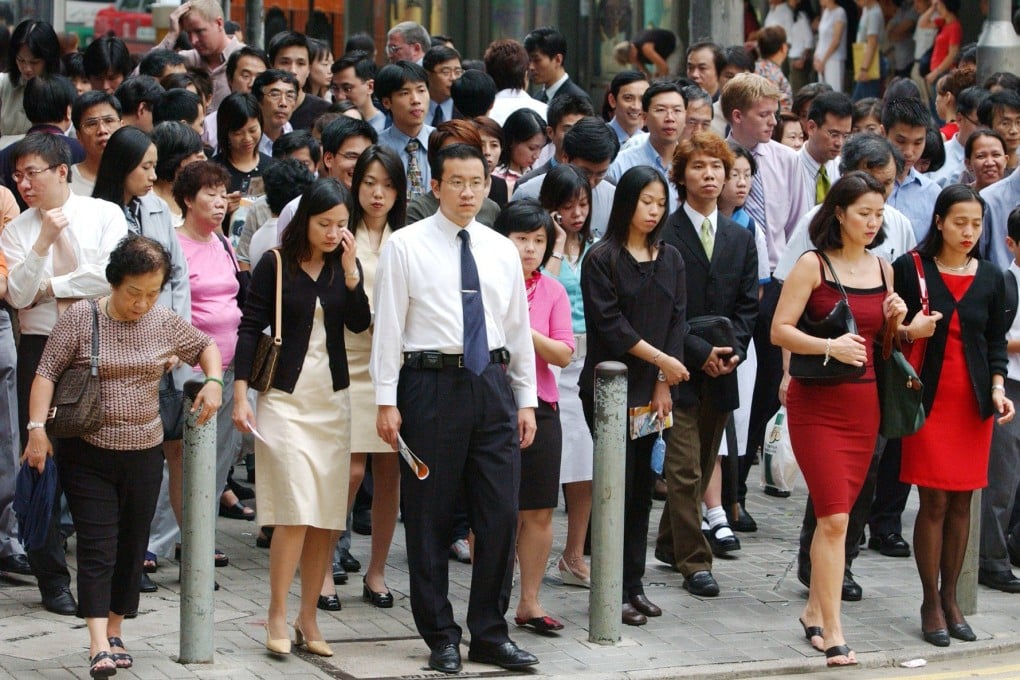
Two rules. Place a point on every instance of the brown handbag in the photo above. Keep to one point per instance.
(267, 351)
(77, 407)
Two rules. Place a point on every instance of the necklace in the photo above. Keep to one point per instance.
(961, 268)
(106, 308)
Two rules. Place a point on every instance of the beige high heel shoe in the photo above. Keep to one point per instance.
(571, 577)
(278, 646)
(317, 647)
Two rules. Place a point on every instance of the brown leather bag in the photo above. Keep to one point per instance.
(267, 351)
(77, 407)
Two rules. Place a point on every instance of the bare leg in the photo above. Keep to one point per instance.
(357, 475)
(385, 507)
(316, 553)
(284, 554)
(578, 497)
(928, 532)
(534, 540)
(827, 563)
(173, 451)
(954, 544)
(97, 635)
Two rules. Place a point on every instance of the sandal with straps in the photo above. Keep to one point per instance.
(120, 659)
(99, 669)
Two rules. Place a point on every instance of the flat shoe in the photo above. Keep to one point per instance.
(631, 616)
(811, 632)
(644, 605)
(329, 603)
(220, 558)
(380, 600)
(102, 671)
(939, 638)
(839, 650)
(121, 659)
(962, 631)
(150, 564)
(236, 511)
(539, 624)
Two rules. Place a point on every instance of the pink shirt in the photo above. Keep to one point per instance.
(549, 309)
(214, 309)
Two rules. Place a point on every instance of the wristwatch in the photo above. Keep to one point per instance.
(661, 377)
(34, 426)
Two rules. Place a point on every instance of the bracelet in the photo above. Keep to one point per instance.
(558, 256)
(656, 358)
(905, 336)
(32, 425)
(353, 275)
(1001, 388)
(210, 379)
(828, 348)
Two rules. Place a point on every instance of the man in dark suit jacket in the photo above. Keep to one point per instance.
(547, 48)
(721, 271)
(443, 67)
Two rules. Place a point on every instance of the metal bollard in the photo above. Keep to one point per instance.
(967, 586)
(610, 434)
(198, 534)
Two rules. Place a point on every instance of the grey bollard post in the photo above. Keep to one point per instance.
(198, 534)
(610, 433)
(967, 586)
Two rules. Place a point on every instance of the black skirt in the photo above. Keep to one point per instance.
(540, 462)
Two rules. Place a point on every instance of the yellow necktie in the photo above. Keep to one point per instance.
(707, 238)
(822, 185)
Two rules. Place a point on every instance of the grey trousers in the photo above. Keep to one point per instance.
(998, 498)
(10, 442)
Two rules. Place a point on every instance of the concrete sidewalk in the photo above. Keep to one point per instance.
(750, 630)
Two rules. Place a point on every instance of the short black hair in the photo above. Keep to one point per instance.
(337, 132)
(996, 104)
(592, 140)
(624, 78)
(803, 97)
(138, 90)
(546, 40)
(737, 55)
(53, 149)
(245, 51)
(905, 111)
(360, 42)
(153, 63)
(174, 141)
(473, 93)
(1013, 224)
(824, 228)
(285, 39)
(867, 151)
(568, 105)
(47, 98)
(1004, 79)
(364, 68)
(295, 140)
(89, 99)
(694, 93)
(718, 53)
(74, 66)
(137, 255)
(285, 180)
(837, 104)
(969, 100)
(177, 104)
(106, 54)
(525, 216)
(660, 87)
(438, 55)
(392, 77)
(934, 150)
(456, 151)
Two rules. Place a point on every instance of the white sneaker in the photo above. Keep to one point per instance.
(461, 551)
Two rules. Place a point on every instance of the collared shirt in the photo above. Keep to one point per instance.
(510, 100)
(601, 201)
(221, 88)
(95, 228)
(810, 168)
(697, 218)
(1000, 198)
(551, 90)
(157, 224)
(394, 139)
(378, 121)
(446, 106)
(621, 134)
(899, 239)
(643, 154)
(787, 198)
(915, 198)
(266, 144)
(949, 173)
(1013, 332)
(418, 306)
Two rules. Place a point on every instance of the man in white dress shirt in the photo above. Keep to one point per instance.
(507, 62)
(454, 374)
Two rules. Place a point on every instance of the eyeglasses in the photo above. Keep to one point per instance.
(836, 134)
(30, 174)
(447, 72)
(277, 95)
(475, 185)
(393, 49)
(93, 123)
(346, 88)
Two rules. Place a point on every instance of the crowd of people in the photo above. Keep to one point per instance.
(425, 262)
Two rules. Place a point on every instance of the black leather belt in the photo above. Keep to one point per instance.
(438, 360)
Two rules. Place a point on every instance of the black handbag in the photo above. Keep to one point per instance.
(76, 408)
(714, 329)
(171, 408)
(838, 322)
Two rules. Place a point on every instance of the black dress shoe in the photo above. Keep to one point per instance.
(147, 586)
(60, 601)
(339, 574)
(644, 605)
(1000, 580)
(348, 561)
(16, 564)
(890, 545)
(804, 572)
(506, 655)
(380, 600)
(744, 523)
(329, 603)
(851, 591)
(1014, 551)
(962, 631)
(702, 584)
(721, 547)
(939, 638)
(445, 659)
(631, 616)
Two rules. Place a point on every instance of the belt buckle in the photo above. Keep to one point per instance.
(460, 361)
(433, 360)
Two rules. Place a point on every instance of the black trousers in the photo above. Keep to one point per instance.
(464, 427)
(112, 495)
(49, 564)
(858, 513)
(637, 503)
(890, 494)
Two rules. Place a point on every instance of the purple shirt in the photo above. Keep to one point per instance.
(549, 310)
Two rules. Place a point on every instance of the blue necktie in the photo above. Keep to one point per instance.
(476, 343)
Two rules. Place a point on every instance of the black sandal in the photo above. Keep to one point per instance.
(120, 659)
(839, 650)
(102, 671)
(812, 632)
(236, 511)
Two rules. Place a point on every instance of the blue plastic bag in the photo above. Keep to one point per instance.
(658, 454)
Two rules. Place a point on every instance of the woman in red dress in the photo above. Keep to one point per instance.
(834, 444)
(963, 372)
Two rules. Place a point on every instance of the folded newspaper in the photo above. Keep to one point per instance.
(421, 470)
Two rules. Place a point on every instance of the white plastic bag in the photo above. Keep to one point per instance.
(779, 469)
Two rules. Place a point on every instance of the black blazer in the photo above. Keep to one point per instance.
(982, 325)
(570, 87)
(341, 307)
(726, 286)
(498, 191)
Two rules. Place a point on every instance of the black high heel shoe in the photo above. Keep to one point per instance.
(380, 600)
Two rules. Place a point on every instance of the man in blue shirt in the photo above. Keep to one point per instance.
(906, 121)
(1000, 199)
(403, 89)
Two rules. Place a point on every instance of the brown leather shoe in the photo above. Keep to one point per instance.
(632, 617)
(644, 605)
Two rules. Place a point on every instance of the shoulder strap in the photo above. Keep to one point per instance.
(1012, 296)
(835, 279)
(277, 339)
(226, 247)
(94, 361)
(921, 282)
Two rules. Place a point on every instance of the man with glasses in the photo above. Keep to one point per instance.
(57, 252)
(407, 41)
(96, 116)
(830, 118)
(243, 67)
(547, 49)
(354, 79)
(699, 111)
(277, 94)
(288, 51)
(1000, 111)
(443, 66)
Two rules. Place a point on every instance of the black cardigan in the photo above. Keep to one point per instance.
(982, 325)
(340, 306)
